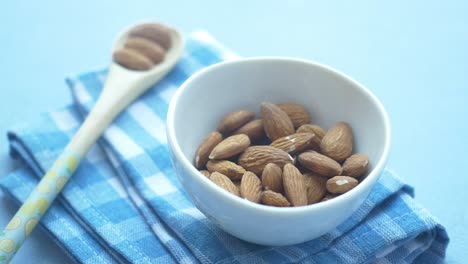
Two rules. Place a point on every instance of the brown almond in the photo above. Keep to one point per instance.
(132, 60)
(205, 148)
(205, 173)
(329, 196)
(235, 120)
(272, 178)
(295, 143)
(154, 32)
(274, 199)
(309, 128)
(297, 113)
(224, 182)
(316, 186)
(149, 49)
(226, 167)
(294, 185)
(319, 163)
(251, 187)
(255, 158)
(338, 142)
(341, 184)
(230, 146)
(356, 165)
(253, 129)
(276, 122)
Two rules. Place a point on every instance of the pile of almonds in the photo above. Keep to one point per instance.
(145, 47)
(281, 159)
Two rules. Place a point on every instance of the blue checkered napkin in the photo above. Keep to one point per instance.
(124, 204)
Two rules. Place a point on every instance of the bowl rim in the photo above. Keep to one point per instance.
(239, 201)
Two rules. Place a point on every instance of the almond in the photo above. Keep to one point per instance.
(255, 158)
(132, 60)
(251, 187)
(205, 148)
(272, 178)
(274, 199)
(205, 173)
(341, 184)
(309, 128)
(149, 49)
(224, 182)
(297, 113)
(319, 163)
(329, 196)
(276, 122)
(230, 146)
(295, 143)
(253, 129)
(226, 167)
(235, 120)
(338, 142)
(154, 32)
(356, 165)
(294, 185)
(316, 186)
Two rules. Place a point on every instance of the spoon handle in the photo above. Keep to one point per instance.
(29, 214)
(49, 187)
(115, 96)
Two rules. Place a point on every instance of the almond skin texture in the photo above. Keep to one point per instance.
(341, 184)
(356, 165)
(224, 182)
(255, 158)
(272, 178)
(205, 148)
(316, 187)
(205, 173)
(274, 199)
(329, 196)
(294, 186)
(338, 142)
(309, 128)
(276, 122)
(153, 32)
(297, 113)
(226, 167)
(251, 187)
(253, 129)
(295, 143)
(319, 163)
(235, 120)
(149, 49)
(230, 146)
(132, 60)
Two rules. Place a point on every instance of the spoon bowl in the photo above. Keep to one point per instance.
(158, 71)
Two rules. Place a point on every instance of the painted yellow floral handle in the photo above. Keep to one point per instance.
(24, 221)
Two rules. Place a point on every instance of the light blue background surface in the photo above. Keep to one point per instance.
(412, 54)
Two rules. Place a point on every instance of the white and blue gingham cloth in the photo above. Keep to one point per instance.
(125, 205)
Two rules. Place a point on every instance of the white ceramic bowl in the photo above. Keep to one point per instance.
(329, 95)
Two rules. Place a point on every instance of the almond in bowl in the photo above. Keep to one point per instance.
(267, 163)
(304, 145)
